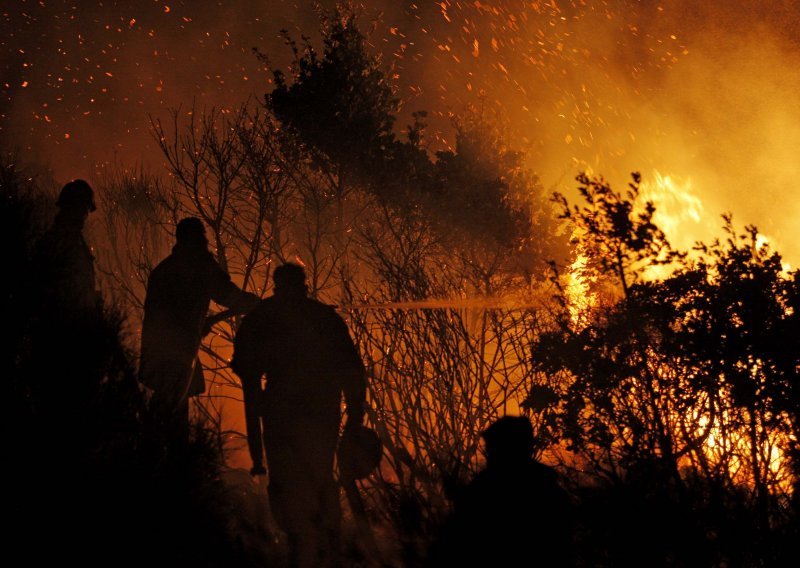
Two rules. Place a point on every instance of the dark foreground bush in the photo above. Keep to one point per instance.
(91, 478)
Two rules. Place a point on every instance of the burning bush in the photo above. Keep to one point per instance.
(678, 390)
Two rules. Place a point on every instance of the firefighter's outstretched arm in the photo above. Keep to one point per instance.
(228, 294)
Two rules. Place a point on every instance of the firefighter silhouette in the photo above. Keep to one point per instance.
(179, 292)
(513, 513)
(304, 350)
(63, 261)
(66, 318)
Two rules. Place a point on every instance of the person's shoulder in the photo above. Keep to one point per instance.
(542, 472)
(54, 239)
(484, 490)
(207, 258)
(549, 482)
(321, 306)
(164, 267)
(324, 311)
(198, 261)
(263, 308)
(480, 480)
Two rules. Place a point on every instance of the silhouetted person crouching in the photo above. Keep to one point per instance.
(179, 292)
(304, 350)
(513, 513)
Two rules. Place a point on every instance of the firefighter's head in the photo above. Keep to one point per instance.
(76, 197)
(509, 440)
(191, 233)
(290, 278)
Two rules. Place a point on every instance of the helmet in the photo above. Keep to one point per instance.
(360, 452)
(77, 194)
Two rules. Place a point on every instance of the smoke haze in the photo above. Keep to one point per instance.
(702, 93)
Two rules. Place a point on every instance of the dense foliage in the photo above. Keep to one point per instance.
(682, 386)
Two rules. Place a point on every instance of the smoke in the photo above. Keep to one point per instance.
(701, 92)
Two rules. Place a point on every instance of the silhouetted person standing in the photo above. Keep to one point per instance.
(513, 513)
(305, 351)
(67, 307)
(63, 262)
(179, 292)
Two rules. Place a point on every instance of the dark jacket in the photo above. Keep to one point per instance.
(509, 515)
(64, 269)
(305, 350)
(179, 292)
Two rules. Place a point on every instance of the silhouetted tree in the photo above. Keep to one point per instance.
(338, 103)
(341, 107)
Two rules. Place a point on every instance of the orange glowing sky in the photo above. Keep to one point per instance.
(705, 93)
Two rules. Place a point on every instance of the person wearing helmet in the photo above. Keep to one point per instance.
(64, 263)
(179, 291)
(66, 321)
(305, 351)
